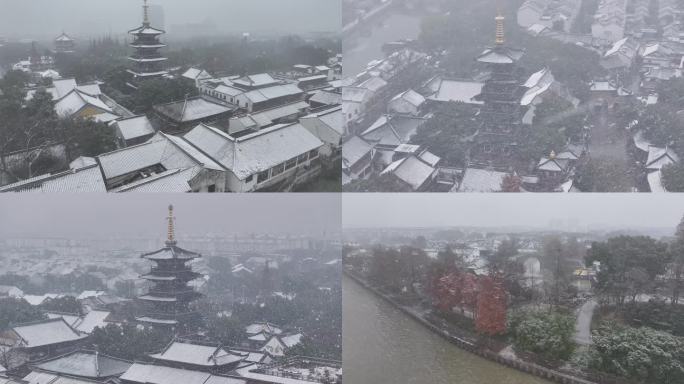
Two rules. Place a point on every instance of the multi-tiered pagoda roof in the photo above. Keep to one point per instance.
(501, 113)
(147, 62)
(170, 297)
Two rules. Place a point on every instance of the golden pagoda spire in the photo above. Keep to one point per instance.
(500, 33)
(146, 16)
(171, 239)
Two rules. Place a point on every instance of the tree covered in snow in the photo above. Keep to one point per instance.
(128, 341)
(447, 133)
(548, 334)
(381, 183)
(641, 354)
(65, 304)
(673, 177)
(676, 281)
(629, 265)
(17, 311)
(556, 122)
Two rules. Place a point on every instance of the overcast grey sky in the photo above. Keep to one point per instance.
(126, 214)
(497, 209)
(43, 18)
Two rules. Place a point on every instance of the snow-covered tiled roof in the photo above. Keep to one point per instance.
(171, 252)
(134, 127)
(659, 157)
(154, 374)
(48, 332)
(411, 170)
(85, 364)
(169, 181)
(192, 109)
(196, 354)
(326, 97)
(171, 152)
(500, 55)
(83, 179)
(269, 328)
(258, 80)
(256, 152)
(196, 74)
(355, 94)
(410, 96)
(273, 92)
(481, 180)
(455, 90)
(93, 319)
(393, 129)
(76, 100)
(374, 84)
(332, 119)
(37, 377)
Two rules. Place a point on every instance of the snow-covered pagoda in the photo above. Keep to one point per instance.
(170, 297)
(147, 61)
(64, 44)
(501, 94)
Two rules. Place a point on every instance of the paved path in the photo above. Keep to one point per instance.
(583, 323)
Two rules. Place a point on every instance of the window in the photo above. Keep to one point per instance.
(263, 176)
(313, 154)
(278, 169)
(291, 163)
(249, 178)
(303, 157)
(212, 188)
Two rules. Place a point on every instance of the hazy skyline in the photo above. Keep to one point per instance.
(612, 211)
(47, 18)
(74, 215)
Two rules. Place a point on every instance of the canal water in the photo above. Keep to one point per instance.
(364, 44)
(384, 345)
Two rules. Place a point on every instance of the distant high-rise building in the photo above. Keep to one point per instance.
(148, 63)
(170, 297)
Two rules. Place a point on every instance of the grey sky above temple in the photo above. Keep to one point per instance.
(44, 18)
(569, 211)
(97, 215)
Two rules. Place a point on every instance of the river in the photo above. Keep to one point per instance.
(360, 48)
(384, 345)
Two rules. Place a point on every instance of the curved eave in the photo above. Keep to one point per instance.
(151, 320)
(155, 60)
(159, 299)
(158, 278)
(146, 31)
(147, 46)
(147, 74)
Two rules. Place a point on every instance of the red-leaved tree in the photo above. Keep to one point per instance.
(490, 317)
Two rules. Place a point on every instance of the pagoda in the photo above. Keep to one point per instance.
(501, 113)
(147, 62)
(64, 44)
(170, 297)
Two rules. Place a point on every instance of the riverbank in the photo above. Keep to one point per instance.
(468, 344)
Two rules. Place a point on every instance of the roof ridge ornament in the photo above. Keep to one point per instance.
(171, 235)
(500, 31)
(146, 16)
